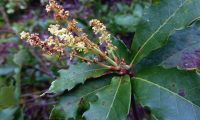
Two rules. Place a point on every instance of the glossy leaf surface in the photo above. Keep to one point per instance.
(170, 94)
(113, 101)
(70, 102)
(182, 50)
(159, 21)
(76, 74)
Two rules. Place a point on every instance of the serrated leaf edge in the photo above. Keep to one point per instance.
(119, 84)
(75, 75)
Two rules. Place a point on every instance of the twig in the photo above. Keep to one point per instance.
(93, 61)
(134, 108)
(42, 63)
(5, 17)
(82, 58)
(7, 31)
(41, 70)
(98, 52)
(95, 50)
(33, 94)
(39, 58)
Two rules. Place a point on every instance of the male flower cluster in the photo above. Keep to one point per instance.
(100, 28)
(60, 13)
(74, 38)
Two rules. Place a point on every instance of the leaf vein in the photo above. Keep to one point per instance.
(167, 90)
(166, 21)
(114, 98)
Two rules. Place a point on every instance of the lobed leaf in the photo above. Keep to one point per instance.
(113, 101)
(74, 75)
(70, 102)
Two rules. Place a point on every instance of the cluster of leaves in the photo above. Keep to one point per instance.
(13, 6)
(22, 80)
(120, 18)
(166, 75)
(168, 89)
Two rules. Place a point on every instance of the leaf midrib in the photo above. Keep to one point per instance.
(114, 98)
(74, 75)
(164, 23)
(170, 92)
(93, 91)
(155, 117)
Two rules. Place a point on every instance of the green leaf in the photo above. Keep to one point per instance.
(170, 94)
(182, 50)
(127, 22)
(185, 50)
(198, 70)
(21, 57)
(5, 70)
(113, 101)
(8, 113)
(159, 21)
(122, 51)
(7, 97)
(56, 114)
(74, 75)
(69, 103)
